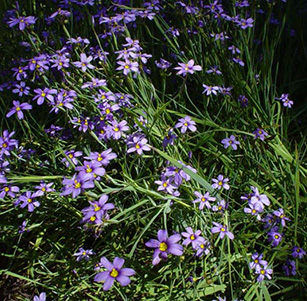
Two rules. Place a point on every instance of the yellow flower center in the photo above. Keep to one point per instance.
(6, 189)
(164, 184)
(163, 247)
(220, 207)
(108, 111)
(99, 158)
(77, 184)
(276, 236)
(192, 237)
(220, 183)
(29, 200)
(203, 199)
(93, 218)
(83, 64)
(114, 273)
(185, 124)
(70, 156)
(223, 229)
(262, 272)
(97, 208)
(202, 246)
(137, 146)
(4, 145)
(43, 94)
(253, 211)
(18, 109)
(256, 260)
(89, 170)
(116, 129)
(44, 189)
(126, 66)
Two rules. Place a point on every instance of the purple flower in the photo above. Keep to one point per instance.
(94, 83)
(274, 237)
(214, 70)
(128, 66)
(186, 123)
(60, 12)
(164, 246)
(231, 141)
(165, 185)
(222, 230)
(60, 61)
(221, 206)
(137, 144)
(203, 200)
(21, 89)
(243, 100)
(285, 100)
(184, 69)
(234, 49)
(76, 185)
(42, 94)
(8, 190)
(97, 211)
(91, 170)
(298, 252)
(43, 188)
(192, 237)
(18, 109)
(259, 133)
(22, 21)
(41, 297)
(210, 90)
(103, 158)
(85, 62)
(27, 199)
(257, 262)
(22, 227)
(72, 155)
(169, 139)
(62, 100)
(281, 216)
(117, 129)
(289, 267)
(254, 209)
(6, 143)
(220, 183)
(245, 23)
(269, 221)
(261, 199)
(203, 248)
(163, 64)
(114, 272)
(263, 272)
(177, 175)
(83, 254)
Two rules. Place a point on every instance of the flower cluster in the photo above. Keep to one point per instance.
(173, 177)
(260, 267)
